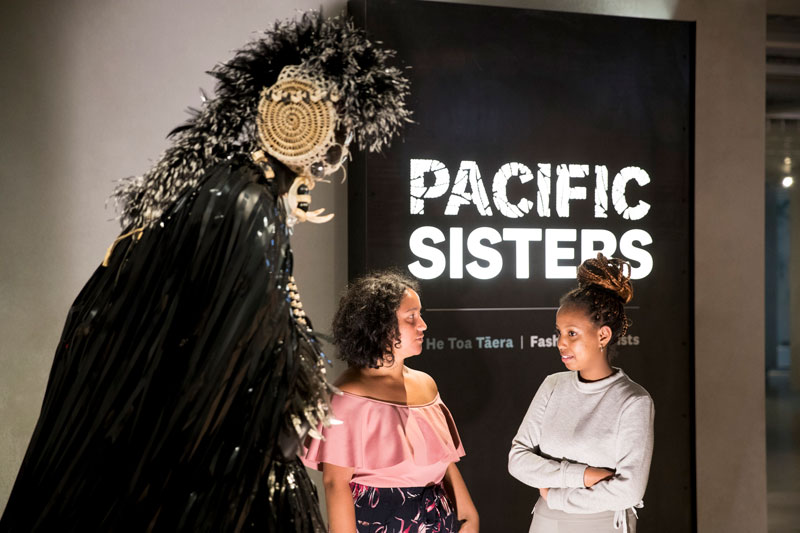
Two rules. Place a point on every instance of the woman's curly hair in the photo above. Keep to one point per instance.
(365, 324)
(604, 287)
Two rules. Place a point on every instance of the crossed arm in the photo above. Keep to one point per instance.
(580, 488)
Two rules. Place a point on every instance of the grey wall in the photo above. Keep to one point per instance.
(89, 89)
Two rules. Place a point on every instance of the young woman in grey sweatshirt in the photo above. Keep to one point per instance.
(587, 438)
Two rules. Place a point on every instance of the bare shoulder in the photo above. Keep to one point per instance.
(351, 381)
(423, 386)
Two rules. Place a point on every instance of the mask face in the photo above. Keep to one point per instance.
(298, 125)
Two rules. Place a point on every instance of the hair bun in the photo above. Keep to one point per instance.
(609, 274)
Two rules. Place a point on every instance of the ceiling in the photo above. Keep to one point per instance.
(783, 97)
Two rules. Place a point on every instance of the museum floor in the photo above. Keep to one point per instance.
(783, 454)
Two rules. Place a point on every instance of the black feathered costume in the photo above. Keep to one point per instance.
(183, 382)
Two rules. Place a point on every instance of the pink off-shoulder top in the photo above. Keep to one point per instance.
(388, 444)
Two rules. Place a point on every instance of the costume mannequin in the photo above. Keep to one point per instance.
(187, 373)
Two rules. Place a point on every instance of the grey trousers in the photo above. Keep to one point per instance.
(546, 520)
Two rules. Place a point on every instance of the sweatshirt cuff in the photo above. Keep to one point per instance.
(555, 499)
(572, 474)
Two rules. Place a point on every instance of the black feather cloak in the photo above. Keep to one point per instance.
(181, 379)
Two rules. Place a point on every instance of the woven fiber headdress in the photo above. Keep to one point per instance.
(349, 73)
(297, 123)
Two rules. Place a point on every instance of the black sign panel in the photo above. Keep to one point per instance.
(541, 138)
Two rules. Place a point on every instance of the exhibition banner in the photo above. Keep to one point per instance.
(540, 139)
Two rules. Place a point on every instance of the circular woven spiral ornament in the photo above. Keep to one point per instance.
(296, 120)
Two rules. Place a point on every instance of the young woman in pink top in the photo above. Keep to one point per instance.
(390, 465)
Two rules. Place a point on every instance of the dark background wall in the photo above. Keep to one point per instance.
(530, 95)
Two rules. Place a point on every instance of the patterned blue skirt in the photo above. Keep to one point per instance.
(403, 510)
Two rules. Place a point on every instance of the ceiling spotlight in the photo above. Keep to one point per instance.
(787, 181)
(787, 160)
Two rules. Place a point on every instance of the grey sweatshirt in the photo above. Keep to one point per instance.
(571, 425)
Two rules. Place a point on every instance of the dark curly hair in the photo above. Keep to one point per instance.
(365, 324)
(604, 288)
